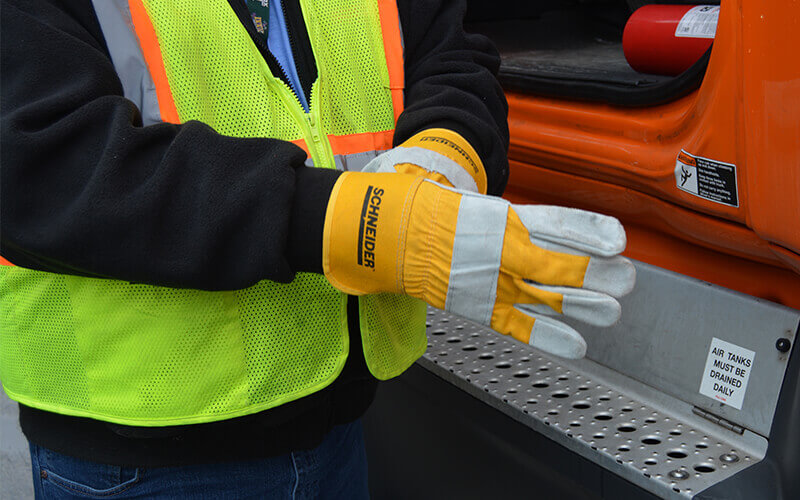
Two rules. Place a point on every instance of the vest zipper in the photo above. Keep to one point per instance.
(318, 146)
(305, 65)
(242, 12)
(300, 45)
(321, 143)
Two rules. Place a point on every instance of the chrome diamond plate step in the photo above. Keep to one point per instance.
(630, 429)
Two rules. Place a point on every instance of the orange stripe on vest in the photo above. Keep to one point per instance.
(152, 56)
(359, 143)
(355, 143)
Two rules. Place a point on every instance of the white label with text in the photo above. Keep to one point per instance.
(699, 22)
(727, 371)
(707, 178)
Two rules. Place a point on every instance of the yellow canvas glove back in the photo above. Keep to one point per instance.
(438, 154)
(509, 267)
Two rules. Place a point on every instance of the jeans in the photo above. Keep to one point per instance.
(335, 469)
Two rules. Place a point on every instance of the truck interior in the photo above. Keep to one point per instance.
(573, 49)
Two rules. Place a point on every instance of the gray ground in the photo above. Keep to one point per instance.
(15, 475)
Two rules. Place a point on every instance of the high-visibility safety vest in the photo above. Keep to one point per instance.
(150, 356)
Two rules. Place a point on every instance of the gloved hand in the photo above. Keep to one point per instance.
(438, 154)
(505, 266)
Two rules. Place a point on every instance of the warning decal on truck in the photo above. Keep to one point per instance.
(699, 22)
(709, 179)
(726, 373)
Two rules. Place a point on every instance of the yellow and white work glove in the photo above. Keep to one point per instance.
(437, 154)
(509, 267)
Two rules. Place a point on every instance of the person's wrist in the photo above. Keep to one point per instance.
(313, 187)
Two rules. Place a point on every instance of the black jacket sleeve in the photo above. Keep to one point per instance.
(87, 190)
(451, 83)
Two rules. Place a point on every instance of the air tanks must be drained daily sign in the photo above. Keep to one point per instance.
(727, 371)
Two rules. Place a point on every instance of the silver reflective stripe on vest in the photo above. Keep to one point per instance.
(126, 54)
(354, 162)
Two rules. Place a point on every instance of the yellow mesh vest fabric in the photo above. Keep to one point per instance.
(392, 332)
(146, 355)
(354, 80)
(216, 73)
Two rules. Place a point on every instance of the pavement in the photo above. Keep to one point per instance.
(15, 463)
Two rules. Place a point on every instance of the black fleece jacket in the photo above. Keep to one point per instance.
(85, 189)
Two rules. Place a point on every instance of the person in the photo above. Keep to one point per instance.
(222, 222)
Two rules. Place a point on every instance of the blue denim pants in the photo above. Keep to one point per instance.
(335, 469)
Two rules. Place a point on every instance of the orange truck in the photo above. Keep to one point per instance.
(692, 394)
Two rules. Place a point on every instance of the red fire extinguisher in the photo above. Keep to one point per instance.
(668, 39)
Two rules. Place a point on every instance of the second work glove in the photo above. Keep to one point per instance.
(437, 154)
(509, 267)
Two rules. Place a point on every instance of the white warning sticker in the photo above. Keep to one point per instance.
(699, 22)
(707, 178)
(727, 371)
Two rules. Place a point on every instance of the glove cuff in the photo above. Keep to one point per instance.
(365, 231)
(454, 147)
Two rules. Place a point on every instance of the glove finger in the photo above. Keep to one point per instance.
(523, 258)
(538, 331)
(590, 307)
(588, 232)
(557, 338)
(615, 276)
(558, 265)
(553, 336)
